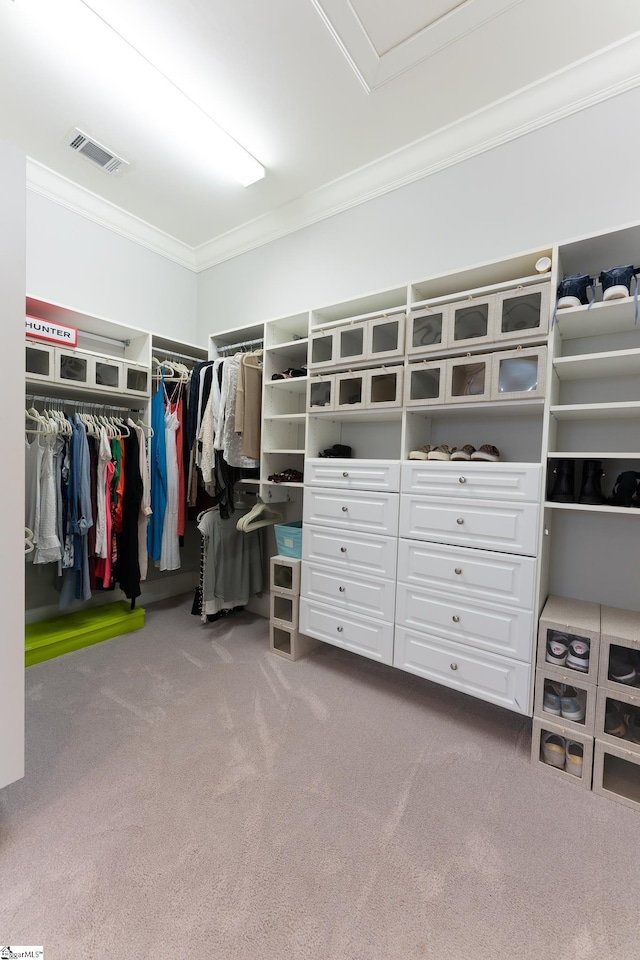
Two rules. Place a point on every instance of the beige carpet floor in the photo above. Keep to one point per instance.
(190, 795)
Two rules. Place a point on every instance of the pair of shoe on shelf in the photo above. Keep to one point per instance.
(621, 720)
(563, 754)
(444, 452)
(564, 649)
(289, 374)
(626, 490)
(564, 701)
(579, 288)
(339, 450)
(624, 666)
(287, 476)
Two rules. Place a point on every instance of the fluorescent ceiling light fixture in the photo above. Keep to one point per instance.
(78, 38)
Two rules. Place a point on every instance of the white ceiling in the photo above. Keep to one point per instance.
(339, 100)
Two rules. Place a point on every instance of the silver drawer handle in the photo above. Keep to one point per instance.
(341, 589)
(455, 618)
(343, 549)
(339, 629)
(459, 521)
(458, 570)
(462, 479)
(454, 666)
(344, 509)
(345, 474)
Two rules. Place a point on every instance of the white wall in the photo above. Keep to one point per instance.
(78, 263)
(573, 177)
(12, 274)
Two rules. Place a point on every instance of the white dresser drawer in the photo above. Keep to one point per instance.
(353, 474)
(512, 528)
(473, 574)
(473, 479)
(369, 638)
(362, 595)
(355, 552)
(483, 675)
(500, 630)
(370, 512)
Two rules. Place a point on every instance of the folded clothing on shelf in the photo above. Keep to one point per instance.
(337, 450)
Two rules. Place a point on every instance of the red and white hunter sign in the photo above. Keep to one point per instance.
(53, 332)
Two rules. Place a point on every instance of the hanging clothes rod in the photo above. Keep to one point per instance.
(83, 334)
(53, 401)
(172, 354)
(227, 347)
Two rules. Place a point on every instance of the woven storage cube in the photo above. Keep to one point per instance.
(575, 618)
(540, 727)
(616, 774)
(285, 575)
(620, 628)
(544, 676)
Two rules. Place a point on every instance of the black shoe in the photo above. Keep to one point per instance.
(621, 670)
(614, 725)
(590, 491)
(337, 450)
(564, 483)
(625, 489)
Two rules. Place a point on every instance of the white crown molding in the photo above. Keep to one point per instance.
(53, 186)
(373, 69)
(590, 81)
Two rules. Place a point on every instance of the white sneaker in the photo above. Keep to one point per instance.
(443, 452)
(421, 454)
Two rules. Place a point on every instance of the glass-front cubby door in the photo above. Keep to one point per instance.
(425, 383)
(384, 387)
(426, 329)
(322, 348)
(352, 342)
(519, 374)
(523, 312)
(106, 374)
(72, 367)
(471, 322)
(468, 379)
(349, 390)
(386, 337)
(137, 379)
(39, 361)
(321, 394)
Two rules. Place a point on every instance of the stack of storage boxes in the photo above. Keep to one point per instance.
(284, 637)
(611, 760)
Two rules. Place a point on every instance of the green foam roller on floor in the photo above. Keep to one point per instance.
(57, 635)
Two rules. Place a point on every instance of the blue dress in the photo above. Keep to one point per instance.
(158, 475)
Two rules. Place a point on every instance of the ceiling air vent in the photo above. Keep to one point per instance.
(96, 152)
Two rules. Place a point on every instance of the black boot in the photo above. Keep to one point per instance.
(625, 489)
(563, 487)
(590, 491)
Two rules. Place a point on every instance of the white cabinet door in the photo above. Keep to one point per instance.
(369, 638)
(357, 594)
(473, 574)
(356, 552)
(483, 675)
(473, 479)
(342, 509)
(500, 630)
(381, 475)
(512, 528)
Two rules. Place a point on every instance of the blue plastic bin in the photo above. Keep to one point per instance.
(289, 539)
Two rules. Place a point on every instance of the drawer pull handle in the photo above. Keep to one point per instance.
(458, 570)
(459, 521)
(455, 618)
(462, 479)
(345, 474)
(344, 509)
(339, 629)
(454, 666)
(341, 589)
(343, 549)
